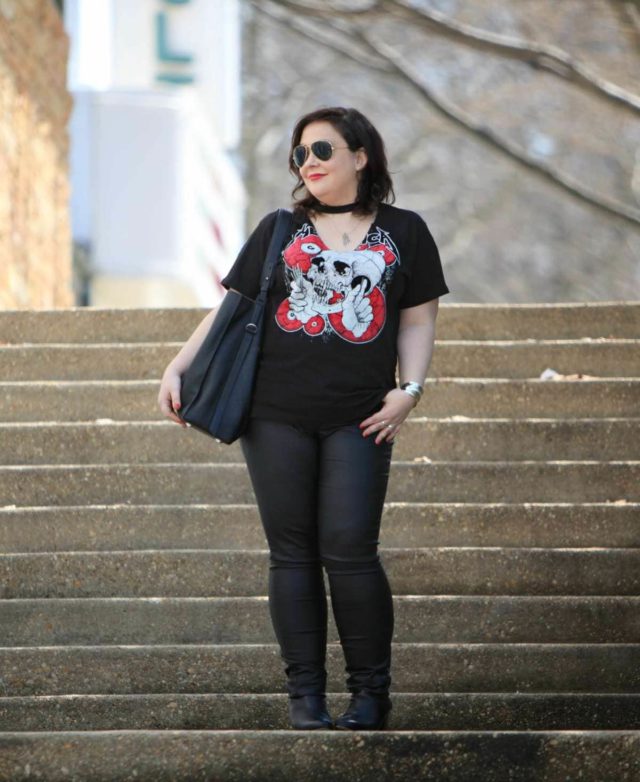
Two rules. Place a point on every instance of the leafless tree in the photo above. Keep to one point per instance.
(386, 38)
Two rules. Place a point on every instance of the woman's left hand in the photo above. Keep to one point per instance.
(397, 406)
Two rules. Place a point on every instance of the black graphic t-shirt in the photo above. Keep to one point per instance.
(329, 349)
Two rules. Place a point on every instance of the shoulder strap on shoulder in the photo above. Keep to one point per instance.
(281, 230)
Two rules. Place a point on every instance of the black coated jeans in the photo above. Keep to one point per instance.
(320, 495)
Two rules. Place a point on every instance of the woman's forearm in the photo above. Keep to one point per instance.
(415, 348)
(187, 352)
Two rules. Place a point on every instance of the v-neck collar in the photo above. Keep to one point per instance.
(376, 217)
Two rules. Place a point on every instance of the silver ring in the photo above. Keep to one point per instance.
(389, 426)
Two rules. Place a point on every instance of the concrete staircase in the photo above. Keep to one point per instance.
(135, 635)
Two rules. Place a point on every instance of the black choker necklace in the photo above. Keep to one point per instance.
(320, 207)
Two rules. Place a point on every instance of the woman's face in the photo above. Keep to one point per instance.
(333, 181)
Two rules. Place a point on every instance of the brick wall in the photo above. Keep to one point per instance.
(35, 232)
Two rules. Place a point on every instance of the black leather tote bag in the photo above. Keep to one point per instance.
(217, 387)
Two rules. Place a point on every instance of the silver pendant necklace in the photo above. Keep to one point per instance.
(346, 235)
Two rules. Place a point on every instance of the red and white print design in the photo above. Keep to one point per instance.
(335, 292)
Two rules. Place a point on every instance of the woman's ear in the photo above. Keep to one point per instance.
(361, 159)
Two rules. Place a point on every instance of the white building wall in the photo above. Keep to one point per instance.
(156, 195)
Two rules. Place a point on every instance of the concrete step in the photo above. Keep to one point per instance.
(167, 483)
(113, 442)
(281, 755)
(125, 527)
(426, 571)
(429, 619)
(135, 400)
(254, 668)
(507, 359)
(511, 615)
(269, 711)
(570, 320)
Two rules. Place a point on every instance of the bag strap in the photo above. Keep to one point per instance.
(253, 329)
(280, 231)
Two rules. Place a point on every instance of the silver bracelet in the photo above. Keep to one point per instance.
(414, 389)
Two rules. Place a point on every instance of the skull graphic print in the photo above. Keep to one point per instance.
(337, 293)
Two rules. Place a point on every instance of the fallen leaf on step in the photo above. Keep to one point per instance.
(424, 459)
(551, 374)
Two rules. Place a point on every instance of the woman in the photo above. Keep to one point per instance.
(355, 291)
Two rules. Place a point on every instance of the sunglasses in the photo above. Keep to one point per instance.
(321, 149)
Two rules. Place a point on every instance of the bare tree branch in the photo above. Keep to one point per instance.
(536, 55)
(346, 7)
(396, 63)
(633, 14)
(338, 38)
(508, 148)
(542, 56)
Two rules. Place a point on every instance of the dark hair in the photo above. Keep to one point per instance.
(375, 184)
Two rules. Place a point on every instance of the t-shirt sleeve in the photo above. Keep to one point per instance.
(246, 271)
(426, 277)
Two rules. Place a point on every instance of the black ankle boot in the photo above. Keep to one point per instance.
(366, 711)
(309, 712)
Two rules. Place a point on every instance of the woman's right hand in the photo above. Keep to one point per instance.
(169, 395)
